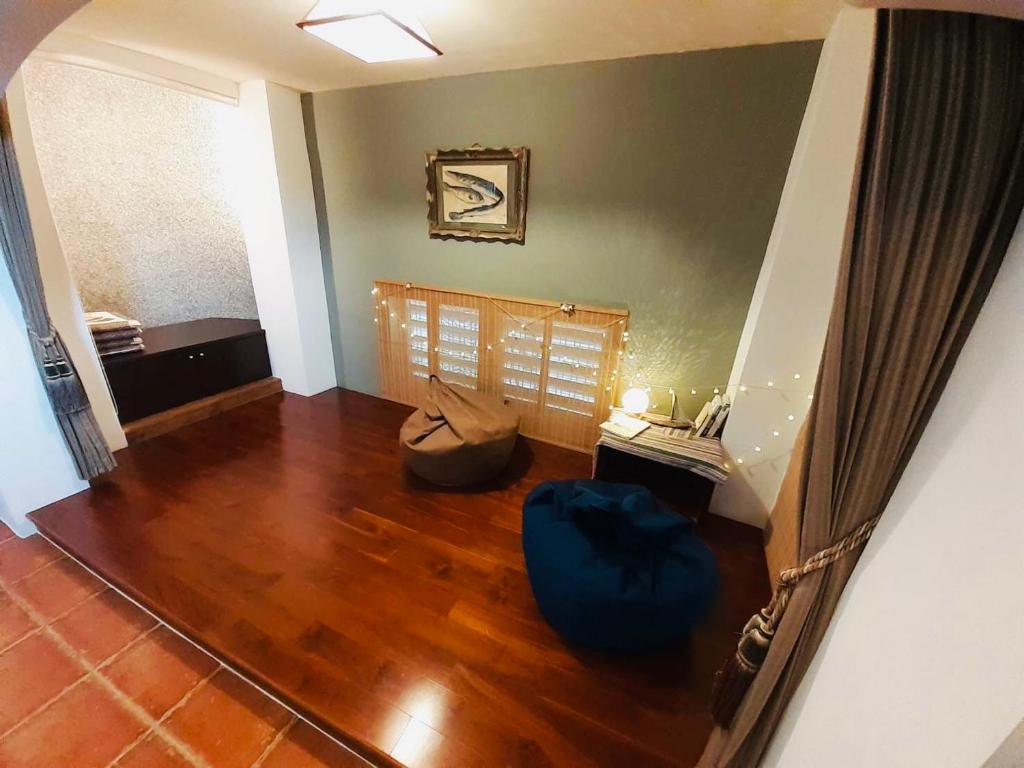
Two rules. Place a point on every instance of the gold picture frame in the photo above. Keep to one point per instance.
(477, 194)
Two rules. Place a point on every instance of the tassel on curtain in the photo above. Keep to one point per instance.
(733, 680)
(64, 388)
(938, 198)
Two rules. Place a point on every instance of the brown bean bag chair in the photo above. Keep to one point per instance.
(459, 437)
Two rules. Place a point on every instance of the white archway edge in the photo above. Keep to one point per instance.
(23, 25)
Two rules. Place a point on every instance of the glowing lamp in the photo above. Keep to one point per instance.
(635, 400)
(373, 31)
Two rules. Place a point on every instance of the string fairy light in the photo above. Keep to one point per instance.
(630, 351)
(633, 353)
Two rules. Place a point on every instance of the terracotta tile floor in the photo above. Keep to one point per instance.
(89, 680)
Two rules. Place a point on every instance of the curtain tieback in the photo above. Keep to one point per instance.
(49, 338)
(55, 364)
(733, 680)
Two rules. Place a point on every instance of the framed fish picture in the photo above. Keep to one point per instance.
(477, 194)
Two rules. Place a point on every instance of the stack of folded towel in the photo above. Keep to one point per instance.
(114, 334)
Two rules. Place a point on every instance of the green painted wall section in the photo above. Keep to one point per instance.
(654, 184)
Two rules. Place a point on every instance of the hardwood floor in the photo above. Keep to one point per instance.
(284, 537)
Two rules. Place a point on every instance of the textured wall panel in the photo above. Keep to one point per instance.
(138, 178)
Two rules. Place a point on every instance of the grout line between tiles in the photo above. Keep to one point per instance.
(158, 732)
(131, 745)
(15, 643)
(33, 572)
(203, 650)
(42, 707)
(278, 738)
(125, 648)
(60, 616)
(93, 673)
(85, 675)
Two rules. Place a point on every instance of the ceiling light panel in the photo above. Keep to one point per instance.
(370, 33)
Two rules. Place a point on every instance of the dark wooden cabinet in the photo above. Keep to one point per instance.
(185, 362)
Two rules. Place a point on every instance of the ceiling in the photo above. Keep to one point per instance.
(257, 39)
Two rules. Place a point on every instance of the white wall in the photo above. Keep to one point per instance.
(61, 293)
(275, 189)
(922, 665)
(35, 466)
(68, 48)
(786, 323)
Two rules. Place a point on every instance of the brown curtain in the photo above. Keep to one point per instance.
(67, 396)
(940, 192)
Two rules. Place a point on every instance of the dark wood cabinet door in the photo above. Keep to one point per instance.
(151, 385)
(185, 363)
(232, 363)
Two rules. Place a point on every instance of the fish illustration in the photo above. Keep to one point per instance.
(485, 189)
(465, 194)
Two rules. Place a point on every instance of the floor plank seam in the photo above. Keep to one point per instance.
(650, 749)
(376, 586)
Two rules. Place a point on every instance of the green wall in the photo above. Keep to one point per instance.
(653, 185)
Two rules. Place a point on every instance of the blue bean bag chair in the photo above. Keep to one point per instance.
(612, 568)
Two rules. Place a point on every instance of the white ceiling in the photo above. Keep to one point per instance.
(257, 39)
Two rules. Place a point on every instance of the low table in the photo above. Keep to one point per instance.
(681, 470)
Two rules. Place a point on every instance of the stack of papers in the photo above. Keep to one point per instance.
(624, 426)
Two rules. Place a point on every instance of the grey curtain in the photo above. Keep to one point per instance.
(940, 192)
(70, 404)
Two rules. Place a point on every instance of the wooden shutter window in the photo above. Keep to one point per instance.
(522, 360)
(459, 345)
(574, 365)
(418, 338)
(556, 365)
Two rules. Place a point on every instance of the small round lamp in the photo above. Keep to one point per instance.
(635, 400)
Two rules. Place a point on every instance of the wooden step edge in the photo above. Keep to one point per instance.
(189, 413)
(362, 747)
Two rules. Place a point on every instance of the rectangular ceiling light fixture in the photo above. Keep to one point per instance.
(370, 34)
